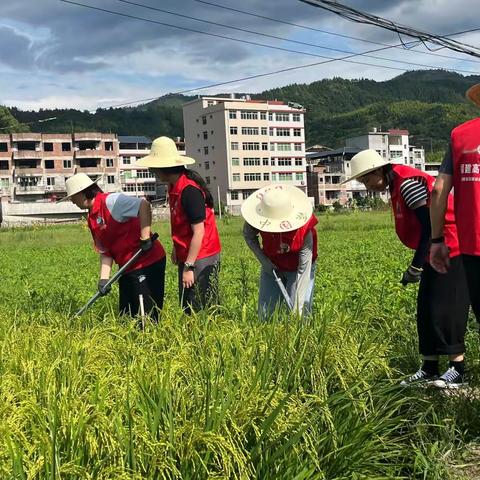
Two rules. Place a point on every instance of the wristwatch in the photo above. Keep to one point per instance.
(189, 266)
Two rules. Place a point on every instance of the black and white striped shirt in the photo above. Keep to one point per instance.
(414, 192)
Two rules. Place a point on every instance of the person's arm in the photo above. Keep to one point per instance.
(145, 217)
(105, 269)
(250, 236)
(302, 280)
(439, 254)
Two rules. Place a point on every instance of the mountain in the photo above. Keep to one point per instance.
(8, 123)
(428, 103)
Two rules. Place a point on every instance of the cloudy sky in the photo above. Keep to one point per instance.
(55, 54)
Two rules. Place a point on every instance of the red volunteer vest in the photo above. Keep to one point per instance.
(465, 141)
(407, 225)
(120, 240)
(283, 248)
(182, 231)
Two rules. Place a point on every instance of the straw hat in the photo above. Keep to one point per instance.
(76, 184)
(164, 154)
(277, 208)
(473, 94)
(365, 162)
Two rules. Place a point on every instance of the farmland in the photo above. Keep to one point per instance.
(220, 394)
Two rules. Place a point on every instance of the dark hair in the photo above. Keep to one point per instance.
(386, 169)
(191, 175)
(92, 191)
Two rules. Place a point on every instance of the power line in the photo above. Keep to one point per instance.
(328, 32)
(275, 37)
(359, 16)
(29, 123)
(248, 42)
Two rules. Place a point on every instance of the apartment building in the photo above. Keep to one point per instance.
(241, 145)
(34, 166)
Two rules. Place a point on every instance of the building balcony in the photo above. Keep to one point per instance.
(87, 136)
(26, 137)
(89, 170)
(29, 190)
(89, 153)
(55, 188)
(27, 155)
(26, 171)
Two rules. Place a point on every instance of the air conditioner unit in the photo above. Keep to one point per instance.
(302, 183)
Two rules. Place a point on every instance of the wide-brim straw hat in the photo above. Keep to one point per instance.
(78, 183)
(164, 154)
(365, 162)
(473, 94)
(277, 208)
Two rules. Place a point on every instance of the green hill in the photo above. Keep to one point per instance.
(427, 103)
(8, 123)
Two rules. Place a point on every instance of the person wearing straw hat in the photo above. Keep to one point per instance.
(442, 300)
(282, 216)
(120, 225)
(460, 170)
(196, 243)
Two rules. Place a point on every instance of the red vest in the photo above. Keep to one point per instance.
(283, 248)
(407, 226)
(465, 141)
(181, 229)
(120, 239)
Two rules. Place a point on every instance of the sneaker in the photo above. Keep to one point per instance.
(421, 377)
(450, 379)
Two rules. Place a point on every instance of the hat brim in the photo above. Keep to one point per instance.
(302, 211)
(364, 172)
(154, 161)
(68, 197)
(473, 94)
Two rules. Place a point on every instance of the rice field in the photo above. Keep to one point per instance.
(220, 395)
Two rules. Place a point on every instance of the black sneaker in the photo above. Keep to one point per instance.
(421, 377)
(452, 378)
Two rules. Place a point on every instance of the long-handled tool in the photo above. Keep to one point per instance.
(282, 288)
(115, 277)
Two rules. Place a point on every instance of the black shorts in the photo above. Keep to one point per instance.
(472, 271)
(442, 310)
(148, 282)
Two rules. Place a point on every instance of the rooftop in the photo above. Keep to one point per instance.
(133, 139)
(330, 153)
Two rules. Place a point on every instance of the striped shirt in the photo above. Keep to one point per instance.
(414, 192)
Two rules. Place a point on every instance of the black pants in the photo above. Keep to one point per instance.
(148, 282)
(204, 291)
(442, 310)
(472, 271)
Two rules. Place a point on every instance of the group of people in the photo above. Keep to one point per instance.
(440, 227)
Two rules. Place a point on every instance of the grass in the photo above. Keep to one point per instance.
(220, 394)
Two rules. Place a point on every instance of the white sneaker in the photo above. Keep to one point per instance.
(450, 379)
(421, 377)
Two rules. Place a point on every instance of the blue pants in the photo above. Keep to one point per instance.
(270, 296)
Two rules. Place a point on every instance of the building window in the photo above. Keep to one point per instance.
(233, 130)
(265, 146)
(48, 147)
(67, 164)
(210, 103)
(297, 147)
(232, 114)
(207, 179)
(109, 146)
(248, 115)
(233, 195)
(272, 147)
(266, 177)
(271, 131)
(207, 165)
(251, 162)
(198, 135)
(272, 162)
(249, 130)
(4, 182)
(211, 132)
(263, 115)
(235, 161)
(284, 147)
(283, 132)
(3, 147)
(109, 162)
(66, 147)
(233, 145)
(284, 162)
(297, 132)
(205, 150)
(110, 179)
(252, 177)
(299, 177)
(285, 177)
(49, 164)
(250, 146)
(264, 131)
(270, 116)
(126, 160)
(298, 162)
(282, 117)
(265, 162)
(50, 181)
(205, 135)
(236, 177)
(295, 117)
(204, 119)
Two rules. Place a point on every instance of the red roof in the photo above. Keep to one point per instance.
(394, 131)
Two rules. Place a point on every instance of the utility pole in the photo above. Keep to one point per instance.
(219, 202)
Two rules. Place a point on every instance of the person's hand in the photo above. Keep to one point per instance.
(101, 287)
(188, 278)
(439, 257)
(174, 256)
(146, 244)
(411, 275)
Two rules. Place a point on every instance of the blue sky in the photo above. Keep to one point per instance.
(59, 55)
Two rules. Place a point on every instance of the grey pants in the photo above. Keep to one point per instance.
(270, 296)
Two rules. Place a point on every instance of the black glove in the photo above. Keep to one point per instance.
(146, 244)
(101, 287)
(411, 275)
